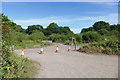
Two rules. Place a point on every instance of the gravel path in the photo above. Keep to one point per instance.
(72, 64)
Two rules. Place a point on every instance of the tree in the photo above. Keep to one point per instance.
(103, 32)
(34, 28)
(101, 25)
(114, 32)
(84, 30)
(91, 36)
(51, 29)
(118, 26)
(37, 36)
(58, 37)
(4, 18)
(11, 24)
(78, 37)
(54, 37)
(115, 27)
(54, 28)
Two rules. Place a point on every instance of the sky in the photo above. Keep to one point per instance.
(75, 15)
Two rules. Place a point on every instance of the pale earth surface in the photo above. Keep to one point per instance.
(71, 64)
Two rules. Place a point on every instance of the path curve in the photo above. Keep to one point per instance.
(72, 64)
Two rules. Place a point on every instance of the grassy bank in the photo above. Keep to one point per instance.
(106, 47)
(31, 44)
(14, 66)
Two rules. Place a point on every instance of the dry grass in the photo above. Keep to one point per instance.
(32, 69)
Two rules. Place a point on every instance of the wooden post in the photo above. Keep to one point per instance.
(75, 45)
(72, 40)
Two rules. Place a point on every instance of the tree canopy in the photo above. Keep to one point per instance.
(54, 28)
(34, 28)
(101, 25)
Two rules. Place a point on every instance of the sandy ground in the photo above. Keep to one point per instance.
(72, 64)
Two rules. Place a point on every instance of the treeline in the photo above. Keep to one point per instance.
(100, 38)
(13, 65)
(15, 34)
(101, 31)
(100, 26)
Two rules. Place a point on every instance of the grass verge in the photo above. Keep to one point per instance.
(14, 66)
(108, 47)
(30, 44)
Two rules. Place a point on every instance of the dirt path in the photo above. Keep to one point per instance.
(72, 64)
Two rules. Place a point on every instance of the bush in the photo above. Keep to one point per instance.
(37, 36)
(108, 47)
(58, 37)
(91, 37)
(101, 25)
(68, 42)
(114, 33)
(103, 32)
(78, 38)
(21, 36)
(14, 66)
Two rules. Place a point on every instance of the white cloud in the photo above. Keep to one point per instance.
(111, 18)
(76, 30)
(79, 21)
(42, 21)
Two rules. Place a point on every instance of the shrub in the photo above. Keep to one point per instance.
(108, 47)
(58, 37)
(103, 32)
(91, 37)
(14, 66)
(78, 38)
(68, 42)
(37, 36)
(100, 25)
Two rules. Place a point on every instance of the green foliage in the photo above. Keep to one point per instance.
(58, 37)
(107, 47)
(37, 36)
(91, 37)
(10, 24)
(78, 38)
(4, 18)
(84, 30)
(101, 25)
(114, 33)
(14, 66)
(20, 37)
(68, 42)
(50, 29)
(14, 34)
(109, 38)
(115, 27)
(107, 32)
(103, 32)
(33, 28)
(54, 28)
